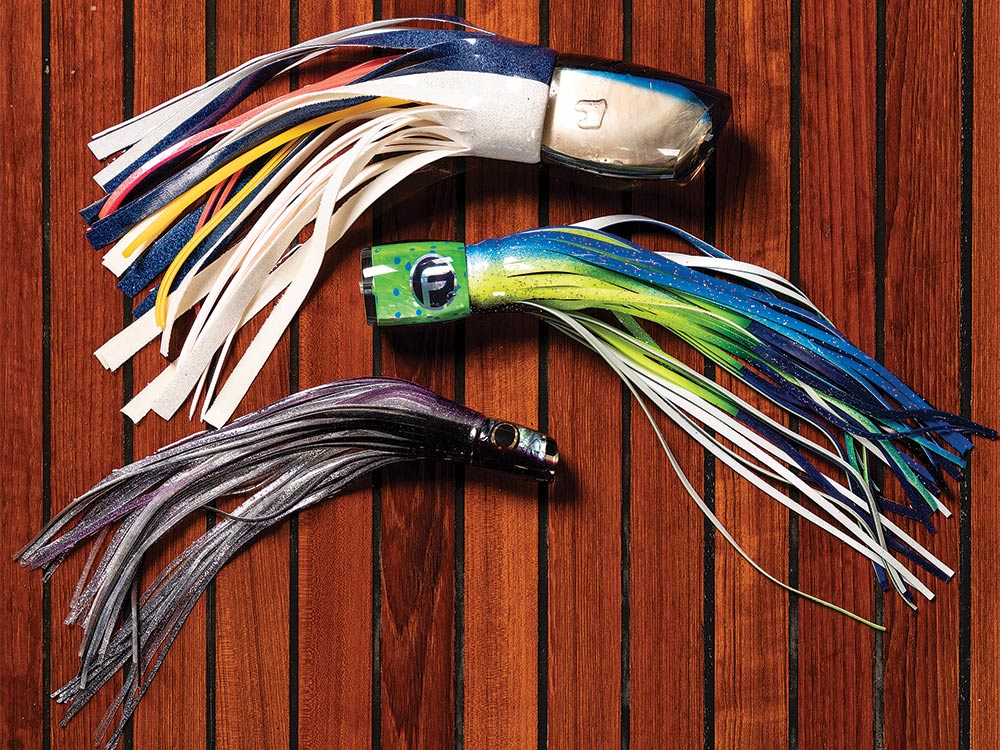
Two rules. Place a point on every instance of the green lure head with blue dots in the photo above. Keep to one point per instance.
(602, 289)
(417, 282)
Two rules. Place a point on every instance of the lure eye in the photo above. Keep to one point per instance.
(504, 435)
(627, 121)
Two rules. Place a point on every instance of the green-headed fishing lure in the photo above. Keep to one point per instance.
(750, 322)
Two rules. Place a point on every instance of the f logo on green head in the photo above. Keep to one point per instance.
(415, 282)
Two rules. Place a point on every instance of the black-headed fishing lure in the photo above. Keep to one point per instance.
(288, 456)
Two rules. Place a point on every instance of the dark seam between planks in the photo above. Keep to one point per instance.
(708, 470)
(626, 566)
(46, 273)
(376, 582)
(376, 687)
(376, 727)
(128, 371)
(543, 542)
(625, 688)
(458, 619)
(128, 110)
(626, 513)
(965, 380)
(795, 272)
(878, 656)
(543, 502)
(210, 596)
(542, 739)
(293, 526)
(293, 626)
(458, 641)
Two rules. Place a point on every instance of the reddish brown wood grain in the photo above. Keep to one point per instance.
(922, 316)
(20, 375)
(169, 59)
(667, 529)
(418, 504)
(751, 646)
(335, 539)
(86, 309)
(417, 586)
(585, 585)
(837, 269)
(984, 635)
(252, 646)
(501, 513)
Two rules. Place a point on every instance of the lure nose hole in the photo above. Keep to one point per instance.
(551, 450)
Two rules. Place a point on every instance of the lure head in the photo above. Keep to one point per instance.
(515, 448)
(415, 282)
(453, 432)
(624, 120)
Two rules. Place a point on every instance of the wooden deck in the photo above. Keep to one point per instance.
(448, 608)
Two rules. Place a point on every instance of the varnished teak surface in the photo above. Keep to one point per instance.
(442, 607)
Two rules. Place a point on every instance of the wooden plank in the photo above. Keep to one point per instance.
(585, 585)
(837, 270)
(86, 309)
(922, 315)
(751, 649)
(501, 512)
(21, 373)
(170, 58)
(335, 539)
(418, 504)
(667, 529)
(252, 622)
(984, 633)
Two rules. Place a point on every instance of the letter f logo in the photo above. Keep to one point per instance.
(433, 281)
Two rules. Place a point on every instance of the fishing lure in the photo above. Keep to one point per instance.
(213, 206)
(286, 457)
(752, 324)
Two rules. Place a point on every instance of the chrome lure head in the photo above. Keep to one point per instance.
(623, 120)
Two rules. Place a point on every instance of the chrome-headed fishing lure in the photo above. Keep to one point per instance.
(288, 456)
(213, 206)
(752, 324)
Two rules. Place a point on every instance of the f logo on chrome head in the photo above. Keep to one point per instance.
(433, 281)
